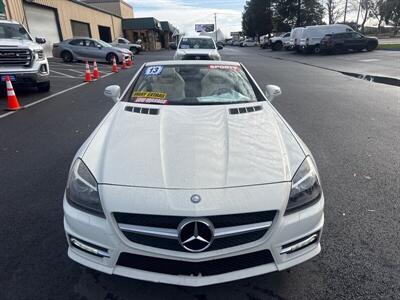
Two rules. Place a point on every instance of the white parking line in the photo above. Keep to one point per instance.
(74, 71)
(51, 96)
(59, 73)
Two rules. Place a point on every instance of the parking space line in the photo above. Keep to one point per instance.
(55, 76)
(79, 72)
(59, 73)
(51, 96)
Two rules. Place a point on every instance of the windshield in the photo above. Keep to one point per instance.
(104, 44)
(193, 85)
(13, 31)
(196, 43)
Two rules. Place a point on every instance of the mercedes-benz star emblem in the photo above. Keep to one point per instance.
(196, 235)
(195, 198)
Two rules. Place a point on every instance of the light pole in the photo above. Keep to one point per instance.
(345, 11)
(215, 27)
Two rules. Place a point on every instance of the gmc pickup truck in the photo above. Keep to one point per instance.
(22, 58)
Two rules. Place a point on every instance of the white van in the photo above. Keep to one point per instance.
(311, 36)
(295, 35)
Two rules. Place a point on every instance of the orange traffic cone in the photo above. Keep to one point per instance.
(96, 74)
(123, 64)
(114, 67)
(12, 101)
(129, 62)
(88, 77)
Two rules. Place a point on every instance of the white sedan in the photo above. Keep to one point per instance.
(193, 178)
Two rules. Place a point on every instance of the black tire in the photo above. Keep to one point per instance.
(67, 56)
(276, 46)
(316, 49)
(43, 87)
(371, 46)
(109, 58)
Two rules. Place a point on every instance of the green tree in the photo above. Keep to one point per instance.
(392, 14)
(257, 18)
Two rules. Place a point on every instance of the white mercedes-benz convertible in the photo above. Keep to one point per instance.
(193, 178)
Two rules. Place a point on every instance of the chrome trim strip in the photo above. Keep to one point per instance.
(153, 231)
(173, 233)
(88, 248)
(241, 229)
(299, 245)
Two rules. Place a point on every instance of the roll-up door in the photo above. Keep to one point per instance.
(42, 22)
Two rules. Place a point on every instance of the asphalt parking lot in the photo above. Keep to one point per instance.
(63, 77)
(351, 126)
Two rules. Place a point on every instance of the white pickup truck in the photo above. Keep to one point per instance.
(22, 57)
(278, 42)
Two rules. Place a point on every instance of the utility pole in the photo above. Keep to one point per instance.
(215, 27)
(345, 11)
(298, 21)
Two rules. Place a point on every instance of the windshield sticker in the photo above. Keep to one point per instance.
(154, 95)
(224, 67)
(153, 71)
(150, 100)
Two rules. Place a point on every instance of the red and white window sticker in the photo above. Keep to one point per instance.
(224, 67)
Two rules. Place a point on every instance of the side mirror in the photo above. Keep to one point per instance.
(173, 46)
(272, 91)
(220, 47)
(99, 46)
(113, 92)
(40, 40)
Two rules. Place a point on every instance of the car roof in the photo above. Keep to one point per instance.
(191, 62)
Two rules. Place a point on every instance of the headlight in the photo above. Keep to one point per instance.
(82, 189)
(39, 55)
(306, 189)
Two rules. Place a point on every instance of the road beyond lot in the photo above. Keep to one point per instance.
(352, 127)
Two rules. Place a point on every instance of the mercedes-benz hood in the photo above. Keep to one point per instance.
(192, 147)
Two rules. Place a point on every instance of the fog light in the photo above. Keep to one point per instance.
(43, 68)
(299, 244)
(92, 249)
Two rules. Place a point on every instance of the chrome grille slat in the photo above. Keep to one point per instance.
(17, 57)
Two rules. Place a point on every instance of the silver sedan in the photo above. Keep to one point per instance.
(89, 49)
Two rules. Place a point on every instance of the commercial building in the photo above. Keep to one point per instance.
(153, 33)
(57, 20)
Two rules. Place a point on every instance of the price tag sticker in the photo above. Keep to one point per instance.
(153, 70)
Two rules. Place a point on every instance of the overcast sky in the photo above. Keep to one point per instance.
(185, 13)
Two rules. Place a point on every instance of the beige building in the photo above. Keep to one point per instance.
(57, 20)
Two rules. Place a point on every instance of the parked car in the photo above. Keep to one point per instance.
(279, 42)
(248, 43)
(311, 36)
(237, 42)
(83, 48)
(193, 178)
(264, 41)
(294, 40)
(197, 48)
(22, 57)
(126, 44)
(340, 42)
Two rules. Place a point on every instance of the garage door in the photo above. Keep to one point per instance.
(42, 22)
(80, 29)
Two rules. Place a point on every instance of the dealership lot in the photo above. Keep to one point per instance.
(349, 124)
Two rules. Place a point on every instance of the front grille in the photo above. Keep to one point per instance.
(196, 57)
(205, 268)
(15, 57)
(172, 223)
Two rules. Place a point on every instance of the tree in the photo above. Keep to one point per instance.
(366, 6)
(257, 18)
(378, 11)
(392, 14)
(334, 10)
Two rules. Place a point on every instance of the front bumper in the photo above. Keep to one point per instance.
(27, 77)
(104, 234)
